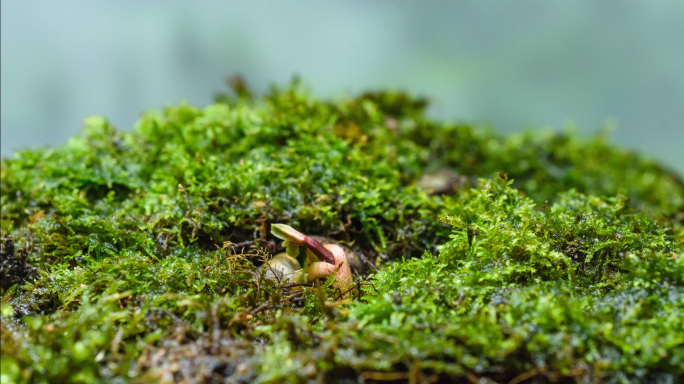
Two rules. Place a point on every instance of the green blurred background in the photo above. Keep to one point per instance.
(516, 65)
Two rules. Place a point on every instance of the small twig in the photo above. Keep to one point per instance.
(268, 304)
(524, 376)
(296, 285)
(372, 286)
(384, 376)
(241, 244)
(343, 294)
(172, 316)
(181, 189)
(366, 261)
(260, 308)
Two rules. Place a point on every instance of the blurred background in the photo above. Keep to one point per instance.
(516, 65)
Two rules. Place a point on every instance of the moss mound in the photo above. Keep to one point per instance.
(543, 257)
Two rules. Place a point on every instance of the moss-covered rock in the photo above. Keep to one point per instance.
(564, 262)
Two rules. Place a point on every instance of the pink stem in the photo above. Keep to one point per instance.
(319, 250)
(285, 232)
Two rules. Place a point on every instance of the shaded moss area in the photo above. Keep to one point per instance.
(562, 263)
(14, 268)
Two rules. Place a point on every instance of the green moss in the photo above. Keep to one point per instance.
(579, 238)
(509, 303)
(568, 264)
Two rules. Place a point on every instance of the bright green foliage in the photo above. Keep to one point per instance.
(473, 326)
(513, 302)
(38, 351)
(583, 239)
(133, 237)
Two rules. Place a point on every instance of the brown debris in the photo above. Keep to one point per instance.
(14, 268)
(208, 359)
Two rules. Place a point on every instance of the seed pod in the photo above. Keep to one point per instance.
(283, 268)
(341, 269)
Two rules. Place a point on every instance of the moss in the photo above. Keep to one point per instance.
(563, 262)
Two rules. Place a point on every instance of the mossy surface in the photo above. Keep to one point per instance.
(548, 257)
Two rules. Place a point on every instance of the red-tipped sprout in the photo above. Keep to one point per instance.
(332, 257)
(294, 237)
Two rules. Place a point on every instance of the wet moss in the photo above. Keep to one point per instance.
(547, 257)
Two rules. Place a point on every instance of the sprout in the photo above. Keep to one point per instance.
(327, 260)
(294, 238)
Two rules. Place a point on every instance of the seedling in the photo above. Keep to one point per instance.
(324, 260)
(293, 239)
